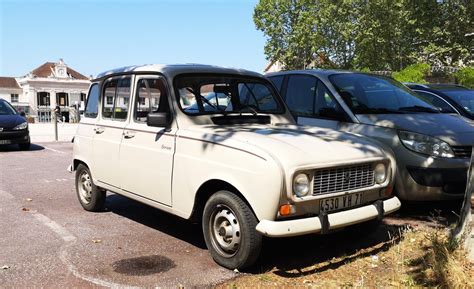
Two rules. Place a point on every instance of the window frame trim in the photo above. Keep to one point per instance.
(98, 101)
(439, 97)
(102, 94)
(139, 77)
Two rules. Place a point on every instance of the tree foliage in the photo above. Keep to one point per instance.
(413, 73)
(375, 34)
(465, 77)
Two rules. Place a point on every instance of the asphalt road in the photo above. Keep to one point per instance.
(48, 240)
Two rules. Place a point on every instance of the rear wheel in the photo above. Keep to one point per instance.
(91, 197)
(229, 231)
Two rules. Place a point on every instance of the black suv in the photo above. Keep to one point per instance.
(13, 126)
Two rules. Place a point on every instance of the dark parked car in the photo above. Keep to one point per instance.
(13, 126)
(449, 98)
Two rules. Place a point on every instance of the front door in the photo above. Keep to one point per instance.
(146, 153)
(109, 129)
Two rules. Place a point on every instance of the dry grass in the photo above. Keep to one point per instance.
(410, 258)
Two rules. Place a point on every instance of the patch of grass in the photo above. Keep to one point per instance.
(411, 257)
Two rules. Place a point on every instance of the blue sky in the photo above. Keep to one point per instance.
(93, 36)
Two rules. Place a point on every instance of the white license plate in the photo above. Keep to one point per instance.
(5, 141)
(341, 202)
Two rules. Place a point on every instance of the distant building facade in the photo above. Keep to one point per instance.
(45, 87)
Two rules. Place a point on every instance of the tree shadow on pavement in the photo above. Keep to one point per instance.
(164, 222)
(15, 148)
(288, 257)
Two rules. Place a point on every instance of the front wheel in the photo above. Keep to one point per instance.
(91, 197)
(229, 231)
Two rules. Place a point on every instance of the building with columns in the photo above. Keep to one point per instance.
(45, 87)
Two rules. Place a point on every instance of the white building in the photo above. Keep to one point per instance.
(48, 85)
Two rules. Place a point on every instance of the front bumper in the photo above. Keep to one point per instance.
(329, 222)
(14, 137)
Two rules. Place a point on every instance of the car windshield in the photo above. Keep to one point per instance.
(464, 98)
(6, 108)
(371, 94)
(203, 94)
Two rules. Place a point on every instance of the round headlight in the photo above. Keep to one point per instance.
(380, 173)
(301, 185)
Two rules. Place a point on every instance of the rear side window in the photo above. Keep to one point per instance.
(300, 94)
(92, 107)
(116, 98)
(436, 101)
(277, 82)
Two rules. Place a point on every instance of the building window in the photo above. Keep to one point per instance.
(110, 100)
(14, 97)
(62, 99)
(83, 97)
(43, 99)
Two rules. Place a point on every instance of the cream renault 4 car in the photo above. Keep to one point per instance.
(218, 145)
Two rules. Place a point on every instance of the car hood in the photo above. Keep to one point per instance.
(10, 121)
(293, 145)
(454, 129)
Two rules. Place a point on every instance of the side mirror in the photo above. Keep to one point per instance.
(159, 119)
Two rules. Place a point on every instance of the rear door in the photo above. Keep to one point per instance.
(109, 129)
(83, 140)
(146, 153)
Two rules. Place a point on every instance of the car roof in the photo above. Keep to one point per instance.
(175, 69)
(316, 72)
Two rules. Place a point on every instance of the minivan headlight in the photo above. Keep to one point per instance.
(21, 126)
(424, 144)
(380, 173)
(301, 185)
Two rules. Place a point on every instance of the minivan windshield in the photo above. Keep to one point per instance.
(371, 94)
(464, 98)
(6, 108)
(209, 94)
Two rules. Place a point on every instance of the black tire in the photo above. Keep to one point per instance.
(230, 209)
(91, 197)
(25, 146)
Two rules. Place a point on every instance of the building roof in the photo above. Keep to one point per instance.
(46, 69)
(175, 69)
(8, 82)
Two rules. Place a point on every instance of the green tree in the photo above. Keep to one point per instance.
(413, 73)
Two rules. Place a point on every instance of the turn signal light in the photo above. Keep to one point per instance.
(389, 191)
(286, 210)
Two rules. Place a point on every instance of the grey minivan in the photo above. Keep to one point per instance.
(432, 149)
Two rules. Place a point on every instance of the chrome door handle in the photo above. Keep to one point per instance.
(128, 134)
(99, 130)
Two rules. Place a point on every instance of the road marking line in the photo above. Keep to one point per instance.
(53, 150)
(58, 229)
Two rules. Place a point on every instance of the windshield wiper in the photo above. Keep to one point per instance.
(419, 108)
(380, 110)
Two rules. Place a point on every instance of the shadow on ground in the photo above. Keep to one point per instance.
(432, 214)
(15, 148)
(156, 219)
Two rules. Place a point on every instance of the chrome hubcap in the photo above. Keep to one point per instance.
(85, 187)
(225, 231)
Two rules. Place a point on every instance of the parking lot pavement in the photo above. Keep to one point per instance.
(48, 240)
(44, 132)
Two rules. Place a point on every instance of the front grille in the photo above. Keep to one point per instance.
(462, 152)
(340, 179)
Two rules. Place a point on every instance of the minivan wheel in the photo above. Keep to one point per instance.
(229, 231)
(91, 197)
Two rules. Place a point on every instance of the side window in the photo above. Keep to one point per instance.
(151, 97)
(277, 81)
(116, 98)
(436, 101)
(92, 107)
(122, 99)
(300, 94)
(325, 105)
